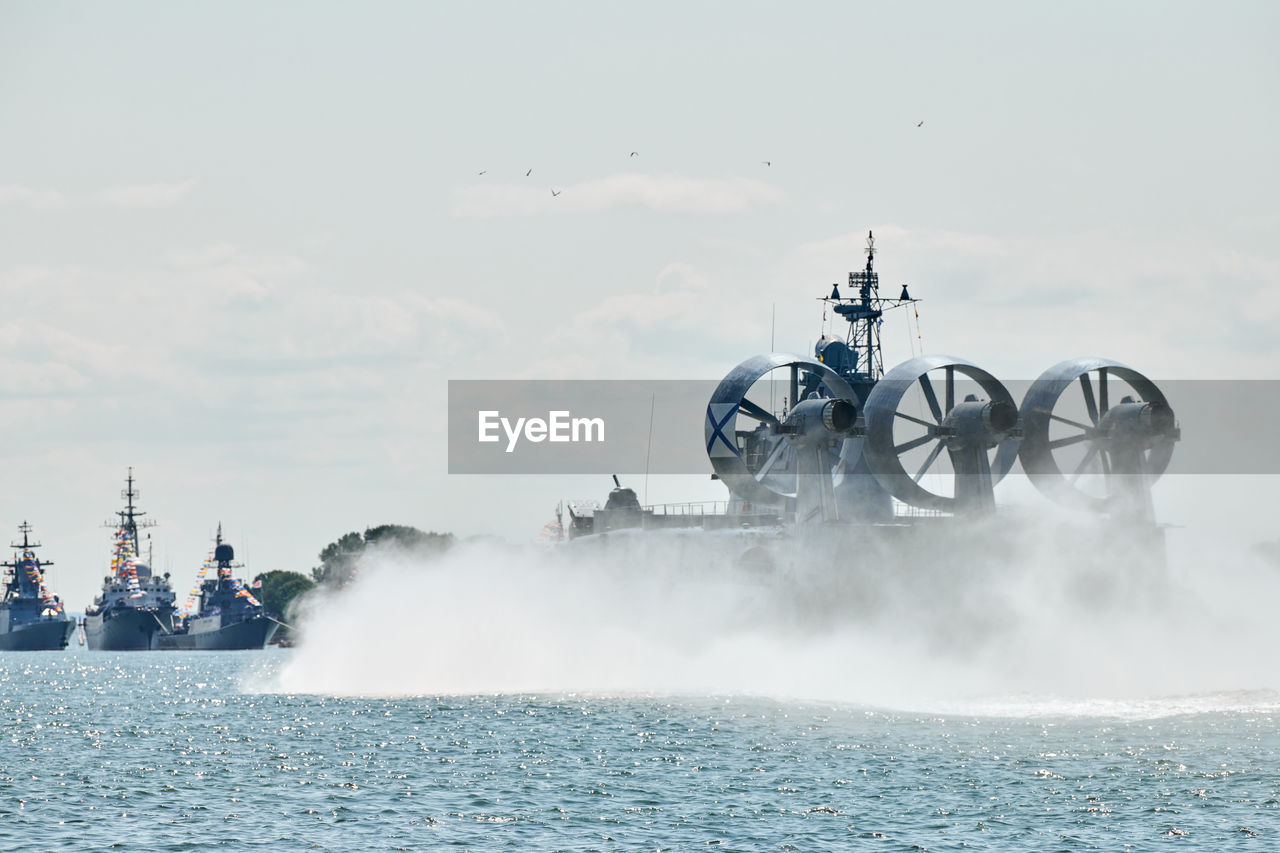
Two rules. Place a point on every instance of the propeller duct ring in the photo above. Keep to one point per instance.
(730, 399)
(882, 412)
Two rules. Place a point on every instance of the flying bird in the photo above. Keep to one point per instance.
(482, 171)
(635, 153)
(528, 173)
(767, 162)
(920, 124)
(554, 193)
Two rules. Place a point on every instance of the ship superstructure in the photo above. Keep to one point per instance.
(221, 612)
(134, 607)
(31, 617)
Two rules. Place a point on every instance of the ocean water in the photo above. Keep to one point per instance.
(180, 751)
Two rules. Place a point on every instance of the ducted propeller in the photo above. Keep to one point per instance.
(798, 457)
(968, 430)
(1128, 443)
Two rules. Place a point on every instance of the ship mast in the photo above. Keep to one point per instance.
(220, 557)
(864, 313)
(130, 514)
(27, 544)
(16, 585)
(130, 518)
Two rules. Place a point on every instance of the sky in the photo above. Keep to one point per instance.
(245, 246)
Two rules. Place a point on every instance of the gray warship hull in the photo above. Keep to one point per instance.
(123, 631)
(31, 618)
(50, 635)
(247, 634)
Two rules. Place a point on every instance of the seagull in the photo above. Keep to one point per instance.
(635, 153)
(554, 193)
(482, 171)
(767, 162)
(528, 173)
(920, 124)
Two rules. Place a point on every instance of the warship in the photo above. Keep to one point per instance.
(875, 463)
(31, 617)
(228, 616)
(135, 607)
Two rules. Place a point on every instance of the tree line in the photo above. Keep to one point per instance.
(340, 564)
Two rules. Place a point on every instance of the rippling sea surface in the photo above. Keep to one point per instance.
(174, 751)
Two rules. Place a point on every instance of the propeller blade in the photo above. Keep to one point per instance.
(1084, 463)
(1106, 464)
(773, 457)
(933, 454)
(1069, 422)
(931, 397)
(914, 420)
(751, 410)
(914, 443)
(950, 392)
(1102, 390)
(1086, 385)
(1068, 441)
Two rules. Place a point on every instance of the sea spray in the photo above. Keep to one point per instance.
(927, 617)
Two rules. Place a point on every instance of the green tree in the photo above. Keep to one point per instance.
(408, 538)
(279, 590)
(340, 560)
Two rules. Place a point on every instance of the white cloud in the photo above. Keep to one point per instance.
(681, 298)
(123, 197)
(32, 197)
(684, 320)
(660, 193)
(218, 321)
(142, 196)
(234, 276)
(37, 378)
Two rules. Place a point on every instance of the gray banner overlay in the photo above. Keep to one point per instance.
(1227, 426)
(674, 447)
